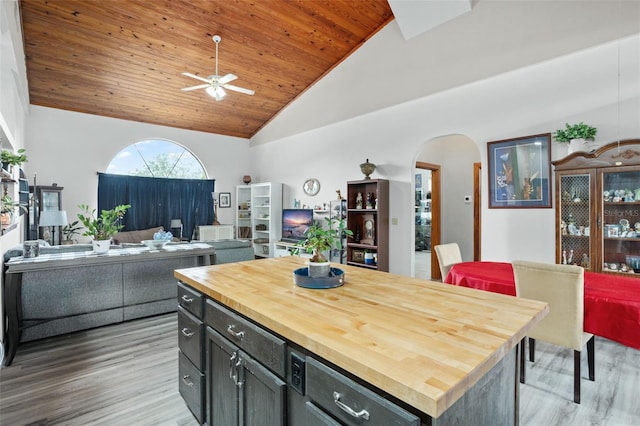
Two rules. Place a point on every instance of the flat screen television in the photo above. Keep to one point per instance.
(295, 224)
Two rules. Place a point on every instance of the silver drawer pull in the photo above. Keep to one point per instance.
(187, 299)
(186, 380)
(231, 331)
(187, 332)
(362, 414)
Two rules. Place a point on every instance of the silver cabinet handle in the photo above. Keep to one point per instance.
(233, 373)
(186, 380)
(187, 299)
(231, 331)
(362, 414)
(187, 332)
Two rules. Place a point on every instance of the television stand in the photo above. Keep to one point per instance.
(286, 248)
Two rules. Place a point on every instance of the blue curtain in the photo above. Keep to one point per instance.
(155, 201)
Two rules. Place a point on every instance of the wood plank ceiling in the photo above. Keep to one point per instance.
(124, 58)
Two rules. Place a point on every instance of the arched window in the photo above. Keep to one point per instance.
(157, 158)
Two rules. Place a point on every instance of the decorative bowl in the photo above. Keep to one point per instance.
(155, 244)
(633, 262)
(301, 278)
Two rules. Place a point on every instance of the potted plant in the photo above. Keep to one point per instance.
(319, 240)
(101, 228)
(69, 231)
(575, 135)
(10, 159)
(9, 206)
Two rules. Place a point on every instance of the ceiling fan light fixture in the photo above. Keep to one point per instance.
(217, 93)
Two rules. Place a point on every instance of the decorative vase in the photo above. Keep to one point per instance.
(576, 145)
(319, 269)
(367, 168)
(101, 246)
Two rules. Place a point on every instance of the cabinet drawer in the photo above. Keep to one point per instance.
(260, 344)
(317, 417)
(190, 299)
(191, 386)
(190, 334)
(338, 395)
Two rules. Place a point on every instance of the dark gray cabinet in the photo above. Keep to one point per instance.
(192, 381)
(241, 391)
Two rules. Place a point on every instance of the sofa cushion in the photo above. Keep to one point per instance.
(136, 236)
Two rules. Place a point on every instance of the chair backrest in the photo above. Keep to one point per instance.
(562, 287)
(448, 255)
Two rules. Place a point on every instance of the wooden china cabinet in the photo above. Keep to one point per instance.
(598, 208)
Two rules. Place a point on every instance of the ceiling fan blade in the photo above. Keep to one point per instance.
(238, 89)
(197, 77)
(227, 78)
(200, 86)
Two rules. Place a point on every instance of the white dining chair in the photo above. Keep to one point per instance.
(562, 287)
(448, 255)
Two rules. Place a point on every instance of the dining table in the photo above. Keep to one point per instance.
(611, 301)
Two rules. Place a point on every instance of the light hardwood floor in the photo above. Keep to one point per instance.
(126, 374)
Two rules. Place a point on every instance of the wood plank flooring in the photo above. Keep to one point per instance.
(127, 374)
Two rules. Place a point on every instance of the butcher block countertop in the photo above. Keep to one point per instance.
(424, 342)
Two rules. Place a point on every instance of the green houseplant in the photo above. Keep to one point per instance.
(319, 240)
(10, 159)
(9, 206)
(70, 230)
(575, 131)
(101, 228)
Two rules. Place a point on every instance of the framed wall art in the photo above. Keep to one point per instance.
(520, 172)
(225, 199)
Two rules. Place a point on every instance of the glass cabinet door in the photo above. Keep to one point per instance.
(575, 220)
(621, 221)
(50, 200)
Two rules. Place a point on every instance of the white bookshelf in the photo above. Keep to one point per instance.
(266, 217)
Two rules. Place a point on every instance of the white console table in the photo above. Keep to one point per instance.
(283, 248)
(215, 232)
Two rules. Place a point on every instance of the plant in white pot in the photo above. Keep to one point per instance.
(320, 240)
(102, 228)
(576, 135)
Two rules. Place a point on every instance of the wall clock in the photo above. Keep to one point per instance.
(311, 186)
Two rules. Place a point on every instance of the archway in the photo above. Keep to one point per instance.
(458, 158)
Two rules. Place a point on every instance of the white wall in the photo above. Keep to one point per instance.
(69, 148)
(537, 99)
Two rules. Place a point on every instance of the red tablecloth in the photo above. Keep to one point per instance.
(611, 302)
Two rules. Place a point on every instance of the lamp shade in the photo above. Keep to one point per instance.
(176, 223)
(53, 218)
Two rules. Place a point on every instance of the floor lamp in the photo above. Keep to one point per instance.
(53, 219)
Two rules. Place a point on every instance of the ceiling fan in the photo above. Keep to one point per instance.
(215, 84)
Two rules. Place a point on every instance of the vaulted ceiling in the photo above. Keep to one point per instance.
(125, 58)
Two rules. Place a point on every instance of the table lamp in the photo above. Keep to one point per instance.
(53, 219)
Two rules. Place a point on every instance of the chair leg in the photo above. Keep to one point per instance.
(576, 377)
(591, 357)
(532, 349)
(522, 344)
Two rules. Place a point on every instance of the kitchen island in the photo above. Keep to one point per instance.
(436, 353)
